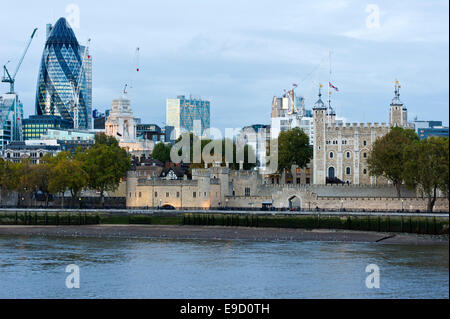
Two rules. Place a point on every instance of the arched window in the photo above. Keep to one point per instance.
(364, 143)
(364, 171)
(347, 154)
(347, 170)
(365, 155)
(331, 155)
(331, 172)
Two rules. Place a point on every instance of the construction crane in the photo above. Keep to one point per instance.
(134, 69)
(7, 78)
(76, 88)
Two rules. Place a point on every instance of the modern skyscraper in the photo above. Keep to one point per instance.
(63, 77)
(11, 111)
(182, 112)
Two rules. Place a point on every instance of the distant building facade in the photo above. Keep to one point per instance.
(289, 112)
(11, 115)
(122, 125)
(182, 112)
(36, 126)
(425, 133)
(19, 150)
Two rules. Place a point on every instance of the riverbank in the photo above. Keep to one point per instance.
(221, 233)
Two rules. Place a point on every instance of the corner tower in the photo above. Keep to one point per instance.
(398, 112)
(319, 161)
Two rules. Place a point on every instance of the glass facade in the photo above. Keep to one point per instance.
(37, 125)
(182, 112)
(61, 77)
(11, 113)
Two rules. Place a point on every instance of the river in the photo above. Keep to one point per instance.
(35, 267)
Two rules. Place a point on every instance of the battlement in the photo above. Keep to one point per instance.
(352, 126)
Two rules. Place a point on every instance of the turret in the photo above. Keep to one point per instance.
(398, 112)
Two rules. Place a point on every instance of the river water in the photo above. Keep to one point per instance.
(35, 267)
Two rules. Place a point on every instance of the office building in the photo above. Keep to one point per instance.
(438, 131)
(150, 132)
(182, 113)
(11, 114)
(37, 125)
(288, 112)
(63, 77)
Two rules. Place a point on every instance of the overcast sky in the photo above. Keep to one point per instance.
(239, 54)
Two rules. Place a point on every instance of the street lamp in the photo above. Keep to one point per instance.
(342, 204)
(402, 205)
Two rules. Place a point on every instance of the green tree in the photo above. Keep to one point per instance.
(424, 166)
(387, 156)
(293, 149)
(161, 152)
(106, 163)
(8, 180)
(234, 164)
(40, 174)
(444, 176)
(67, 173)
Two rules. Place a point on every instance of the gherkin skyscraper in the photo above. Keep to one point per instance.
(63, 77)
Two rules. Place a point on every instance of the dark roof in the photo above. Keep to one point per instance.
(178, 170)
(62, 33)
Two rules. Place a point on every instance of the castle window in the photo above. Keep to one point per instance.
(365, 155)
(347, 170)
(156, 194)
(140, 194)
(167, 194)
(194, 194)
(178, 194)
(364, 171)
(331, 155)
(348, 154)
(247, 191)
(364, 143)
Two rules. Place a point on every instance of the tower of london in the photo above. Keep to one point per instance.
(341, 150)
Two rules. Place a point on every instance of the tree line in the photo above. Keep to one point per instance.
(422, 165)
(100, 167)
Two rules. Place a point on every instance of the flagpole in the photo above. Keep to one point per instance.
(329, 81)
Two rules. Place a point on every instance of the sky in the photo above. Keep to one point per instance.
(239, 54)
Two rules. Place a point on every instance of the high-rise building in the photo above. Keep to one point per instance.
(11, 112)
(289, 112)
(182, 112)
(64, 78)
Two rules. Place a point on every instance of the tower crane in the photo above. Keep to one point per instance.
(76, 88)
(7, 78)
(135, 69)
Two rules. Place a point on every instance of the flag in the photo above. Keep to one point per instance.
(332, 86)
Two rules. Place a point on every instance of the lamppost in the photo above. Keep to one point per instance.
(160, 203)
(226, 204)
(402, 205)
(342, 205)
(79, 202)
